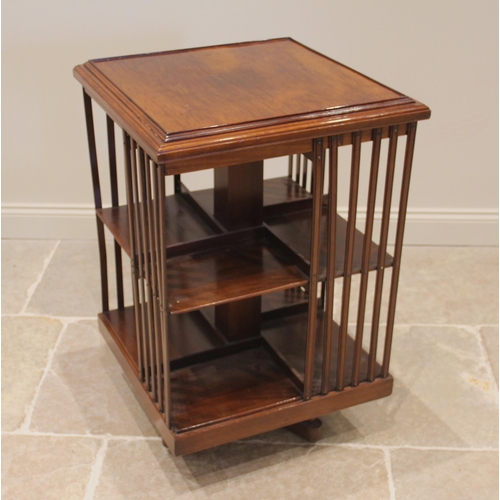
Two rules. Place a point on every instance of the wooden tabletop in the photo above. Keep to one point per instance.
(195, 98)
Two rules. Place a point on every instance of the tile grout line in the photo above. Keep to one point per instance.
(486, 359)
(109, 437)
(31, 407)
(95, 473)
(112, 437)
(388, 466)
(62, 319)
(33, 287)
(359, 446)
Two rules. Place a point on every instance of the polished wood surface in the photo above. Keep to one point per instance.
(227, 274)
(239, 85)
(182, 223)
(238, 194)
(237, 384)
(217, 98)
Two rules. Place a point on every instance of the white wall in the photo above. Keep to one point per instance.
(442, 53)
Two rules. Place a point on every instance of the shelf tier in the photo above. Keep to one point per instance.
(189, 217)
(294, 229)
(183, 223)
(227, 388)
(236, 266)
(288, 212)
(189, 334)
(212, 383)
(232, 380)
(287, 336)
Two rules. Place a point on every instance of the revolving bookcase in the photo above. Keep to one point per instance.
(258, 303)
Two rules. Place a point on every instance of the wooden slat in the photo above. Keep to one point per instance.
(146, 271)
(330, 264)
(365, 265)
(97, 200)
(140, 266)
(349, 258)
(403, 204)
(318, 169)
(132, 228)
(151, 279)
(384, 232)
(160, 172)
(114, 202)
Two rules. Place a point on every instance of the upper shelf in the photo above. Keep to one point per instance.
(183, 103)
(237, 266)
(182, 223)
(288, 212)
(294, 228)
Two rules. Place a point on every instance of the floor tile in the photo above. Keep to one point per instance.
(52, 468)
(442, 390)
(26, 343)
(454, 285)
(71, 283)
(443, 475)
(22, 261)
(242, 470)
(86, 392)
(489, 335)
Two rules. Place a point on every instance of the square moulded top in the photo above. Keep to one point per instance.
(230, 92)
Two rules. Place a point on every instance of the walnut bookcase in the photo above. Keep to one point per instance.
(233, 329)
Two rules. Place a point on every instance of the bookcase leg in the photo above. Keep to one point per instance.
(310, 430)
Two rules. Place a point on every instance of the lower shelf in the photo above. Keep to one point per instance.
(287, 336)
(220, 393)
(191, 334)
(228, 387)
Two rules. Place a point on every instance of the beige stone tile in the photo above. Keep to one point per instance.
(443, 475)
(26, 343)
(137, 470)
(454, 285)
(48, 468)
(22, 261)
(442, 390)
(86, 392)
(71, 284)
(490, 339)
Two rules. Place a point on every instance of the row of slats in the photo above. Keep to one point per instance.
(146, 195)
(317, 191)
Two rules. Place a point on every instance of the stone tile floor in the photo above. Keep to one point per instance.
(72, 429)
